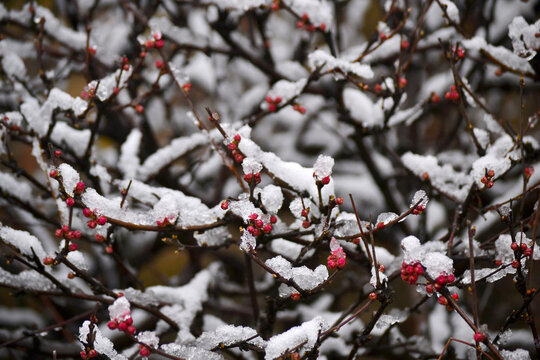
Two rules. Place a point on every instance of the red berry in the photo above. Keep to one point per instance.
(305, 17)
(248, 177)
(237, 137)
(58, 153)
(65, 229)
(92, 224)
(529, 171)
(447, 95)
(59, 233)
(523, 246)
(53, 173)
(435, 98)
(87, 212)
(159, 44)
(238, 158)
(273, 219)
(454, 95)
(442, 300)
(71, 275)
(92, 353)
(382, 268)
(498, 262)
(274, 7)
(100, 238)
(339, 201)
(142, 55)
(460, 53)
(129, 321)
(380, 225)
(139, 108)
(102, 220)
(402, 82)
(72, 247)
(455, 297)
(159, 64)
(186, 87)
(109, 249)
(528, 252)
(372, 296)
(224, 205)
(272, 107)
(450, 278)
(304, 212)
(305, 224)
(489, 184)
(157, 36)
(112, 325)
(322, 27)
(429, 289)
(405, 44)
(83, 355)
(267, 228)
(377, 88)
(125, 67)
(491, 173)
(122, 326)
(478, 337)
(253, 216)
(441, 280)
(277, 99)
(70, 202)
(144, 351)
(79, 188)
(383, 36)
(259, 223)
(48, 260)
(231, 146)
(413, 279)
(295, 296)
(515, 264)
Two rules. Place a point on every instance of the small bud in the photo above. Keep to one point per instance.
(339, 201)
(295, 296)
(372, 296)
(305, 224)
(70, 202)
(224, 205)
(479, 337)
(72, 247)
(102, 220)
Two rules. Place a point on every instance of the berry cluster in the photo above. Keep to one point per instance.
(95, 218)
(411, 271)
(125, 325)
(299, 108)
(419, 209)
(166, 221)
(143, 350)
(337, 258)
(305, 223)
(273, 103)
(452, 94)
(256, 225)
(256, 177)
(157, 42)
(487, 179)
(88, 354)
(233, 147)
(306, 24)
(66, 233)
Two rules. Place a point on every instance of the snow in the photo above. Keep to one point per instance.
(419, 198)
(386, 217)
(451, 10)
(120, 310)
(500, 53)
(102, 345)
(148, 338)
(228, 335)
(517, 354)
(108, 83)
(248, 242)
(167, 154)
(251, 166)
(190, 352)
(15, 187)
(77, 140)
(363, 109)
(272, 198)
(23, 241)
(70, 178)
(286, 90)
(329, 63)
(77, 259)
(436, 263)
(323, 166)
(306, 334)
(319, 11)
(524, 40)
(129, 161)
(26, 279)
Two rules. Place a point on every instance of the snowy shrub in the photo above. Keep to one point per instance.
(269, 179)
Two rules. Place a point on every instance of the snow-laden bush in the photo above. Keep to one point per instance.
(269, 179)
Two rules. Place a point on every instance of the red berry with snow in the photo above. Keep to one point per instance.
(92, 224)
(70, 202)
(112, 325)
(72, 247)
(79, 188)
(224, 205)
(102, 220)
(87, 212)
(273, 219)
(305, 224)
